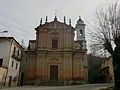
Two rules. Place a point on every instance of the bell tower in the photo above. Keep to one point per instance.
(80, 32)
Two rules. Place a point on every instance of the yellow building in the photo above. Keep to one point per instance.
(55, 56)
(106, 70)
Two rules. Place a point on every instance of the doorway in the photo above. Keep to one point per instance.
(10, 79)
(54, 72)
(22, 79)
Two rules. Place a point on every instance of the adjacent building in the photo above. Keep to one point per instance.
(10, 57)
(106, 71)
(55, 55)
(94, 65)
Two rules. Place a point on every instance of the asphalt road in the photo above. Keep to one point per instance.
(76, 87)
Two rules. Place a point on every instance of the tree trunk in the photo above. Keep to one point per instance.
(116, 67)
(117, 77)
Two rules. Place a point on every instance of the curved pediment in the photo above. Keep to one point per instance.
(55, 25)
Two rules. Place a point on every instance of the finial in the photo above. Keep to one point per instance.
(41, 21)
(46, 19)
(79, 17)
(80, 20)
(64, 19)
(55, 19)
(70, 22)
(29, 45)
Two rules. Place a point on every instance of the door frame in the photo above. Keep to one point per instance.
(57, 71)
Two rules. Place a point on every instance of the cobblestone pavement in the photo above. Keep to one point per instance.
(76, 87)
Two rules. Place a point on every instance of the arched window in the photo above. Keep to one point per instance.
(81, 32)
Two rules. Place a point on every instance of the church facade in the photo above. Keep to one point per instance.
(55, 55)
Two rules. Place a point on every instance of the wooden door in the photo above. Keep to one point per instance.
(54, 72)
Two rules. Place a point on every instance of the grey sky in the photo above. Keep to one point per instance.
(20, 17)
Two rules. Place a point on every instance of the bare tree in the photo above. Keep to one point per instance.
(106, 35)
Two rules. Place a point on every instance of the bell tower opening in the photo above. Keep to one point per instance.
(81, 32)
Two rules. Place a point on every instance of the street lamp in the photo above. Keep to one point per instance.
(4, 31)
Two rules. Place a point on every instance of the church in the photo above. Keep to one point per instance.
(55, 56)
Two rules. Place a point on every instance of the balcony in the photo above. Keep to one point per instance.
(17, 57)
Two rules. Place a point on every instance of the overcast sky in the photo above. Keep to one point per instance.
(20, 17)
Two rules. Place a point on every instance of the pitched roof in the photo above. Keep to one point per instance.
(11, 38)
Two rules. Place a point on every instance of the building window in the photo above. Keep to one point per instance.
(18, 52)
(14, 50)
(54, 43)
(16, 65)
(1, 61)
(12, 64)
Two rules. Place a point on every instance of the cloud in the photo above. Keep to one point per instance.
(20, 17)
